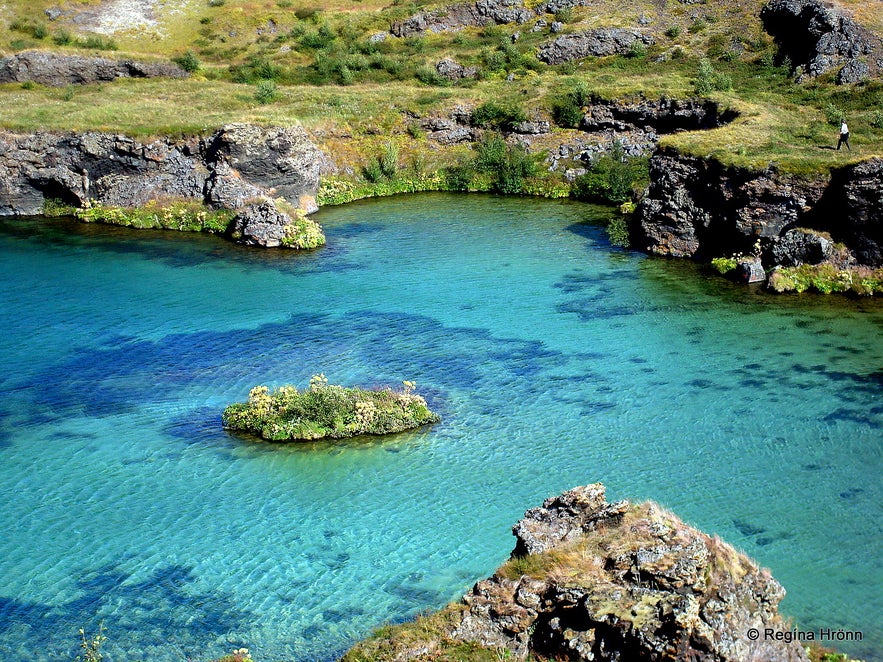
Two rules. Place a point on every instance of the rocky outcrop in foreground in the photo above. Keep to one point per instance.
(241, 167)
(592, 580)
(819, 38)
(58, 70)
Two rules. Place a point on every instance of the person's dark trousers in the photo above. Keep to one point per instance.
(844, 140)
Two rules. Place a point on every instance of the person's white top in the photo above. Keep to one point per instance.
(844, 128)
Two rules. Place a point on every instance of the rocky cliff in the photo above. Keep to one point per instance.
(240, 167)
(699, 208)
(592, 580)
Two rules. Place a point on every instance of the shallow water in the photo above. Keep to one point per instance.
(554, 359)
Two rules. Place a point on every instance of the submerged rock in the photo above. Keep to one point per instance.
(604, 582)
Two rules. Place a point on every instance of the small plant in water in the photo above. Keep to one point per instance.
(91, 645)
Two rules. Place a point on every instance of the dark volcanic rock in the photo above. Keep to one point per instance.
(819, 38)
(664, 115)
(852, 210)
(699, 207)
(238, 167)
(281, 160)
(260, 224)
(455, 17)
(58, 70)
(614, 583)
(800, 246)
(750, 271)
(596, 43)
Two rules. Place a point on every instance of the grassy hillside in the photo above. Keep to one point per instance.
(272, 61)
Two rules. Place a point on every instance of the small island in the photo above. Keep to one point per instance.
(326, 410)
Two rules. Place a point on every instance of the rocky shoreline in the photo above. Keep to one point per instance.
(592, 580)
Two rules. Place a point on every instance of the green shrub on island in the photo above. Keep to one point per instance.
(325, 410)
(173, 215)
(303, 233)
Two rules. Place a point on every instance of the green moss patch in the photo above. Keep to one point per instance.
(327, 411)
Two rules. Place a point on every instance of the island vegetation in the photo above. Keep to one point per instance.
(325, 410)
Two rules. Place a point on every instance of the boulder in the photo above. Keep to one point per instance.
(594, 43)
(453, 70)
(750, 270)
(57, 70)
(280, 160)
(799, 246)
(260, 224)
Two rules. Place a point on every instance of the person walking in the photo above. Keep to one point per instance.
(844, 136)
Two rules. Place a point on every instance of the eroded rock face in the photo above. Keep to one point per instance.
(614, 582)
(594, 43)
(58, 70)
(818, 38)
(237, 167)
(664, 115)
(455, 17)
(699, 208)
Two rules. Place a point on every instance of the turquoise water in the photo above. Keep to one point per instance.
(554, 359)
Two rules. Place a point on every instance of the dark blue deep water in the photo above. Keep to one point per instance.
(554, 359)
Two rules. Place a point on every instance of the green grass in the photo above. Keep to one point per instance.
(327, 411)
(327, 76)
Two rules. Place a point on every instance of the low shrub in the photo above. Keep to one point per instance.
(724, 265)
(507, 165)
(302, 233)
(613, 178)
(673, 32)
(708, 80)
(826, 278)
(266, 92)
(98, 43)
(327, 411)
(187, 61)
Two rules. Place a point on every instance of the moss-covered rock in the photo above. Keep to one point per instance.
(324, 410)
